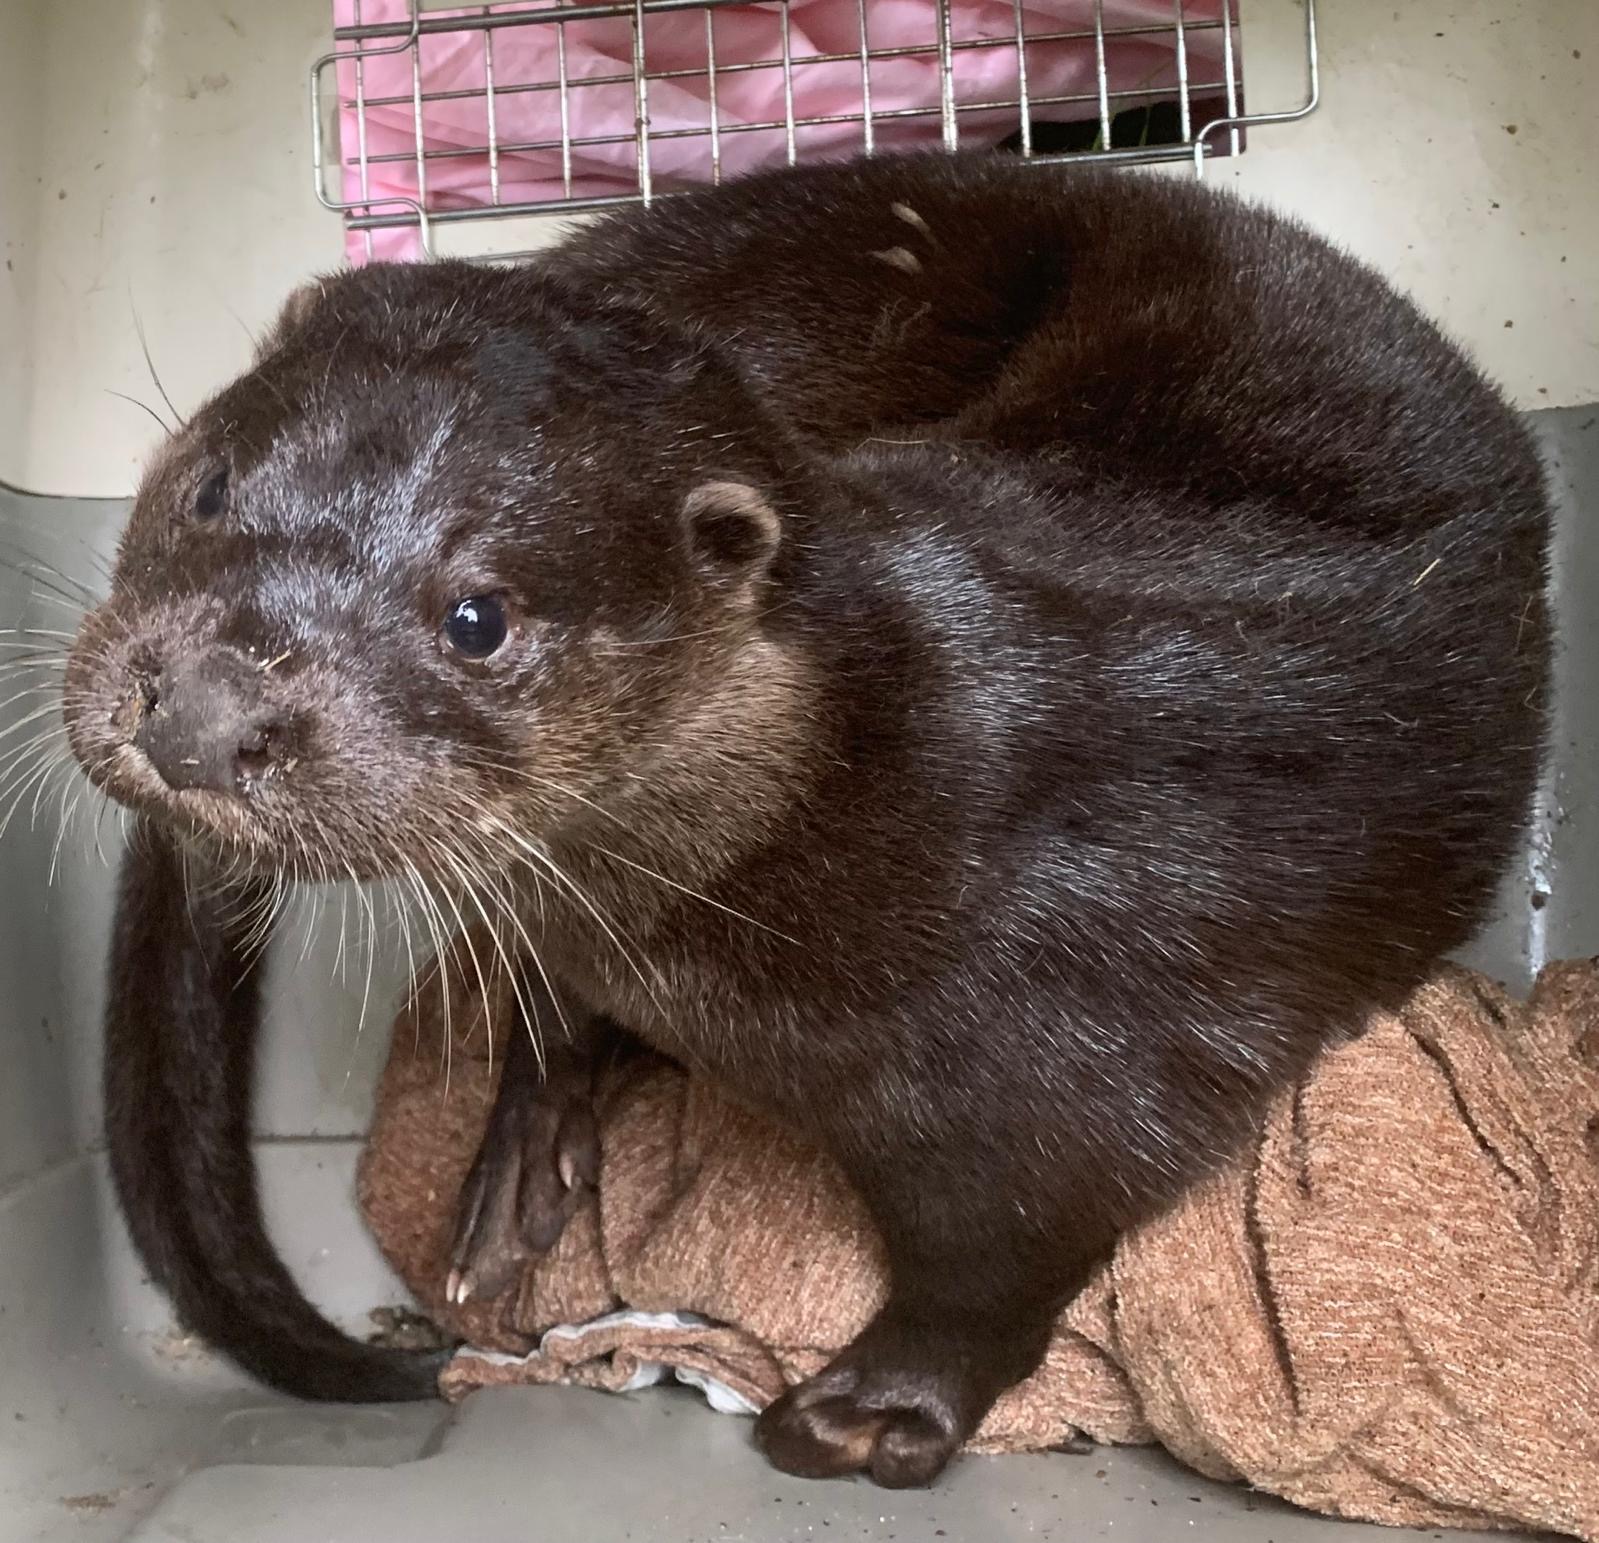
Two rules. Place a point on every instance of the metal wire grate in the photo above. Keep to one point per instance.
(533, 107)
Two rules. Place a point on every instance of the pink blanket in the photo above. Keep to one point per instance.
(527, 62)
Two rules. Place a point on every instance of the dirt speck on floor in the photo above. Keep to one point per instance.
(177, 1347)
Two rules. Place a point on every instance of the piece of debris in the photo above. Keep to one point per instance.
(402, 1328)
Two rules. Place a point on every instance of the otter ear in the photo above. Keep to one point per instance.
(296, 309)
(731, 530)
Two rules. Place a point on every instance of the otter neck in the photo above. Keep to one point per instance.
(733, 756)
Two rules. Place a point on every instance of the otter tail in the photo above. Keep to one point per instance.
(181, 1023)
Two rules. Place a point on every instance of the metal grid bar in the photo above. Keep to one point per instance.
(710, 99)
(736, 67)
(488, 110)
(1290, 115)
(1184, 104)
(419, 216)
(1023, 104)
(360, 133)
(1037, 72)
(868, 129)
(780, 125)
(949, 123)
(1102, 76)
(566, 110)
(1134, 156)
(520, 16)
(790, 135)
(641, 103)
(419, 128)
(1229, 67)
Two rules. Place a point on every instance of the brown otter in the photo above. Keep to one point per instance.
(1012, 807)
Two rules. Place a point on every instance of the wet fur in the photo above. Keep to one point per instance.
(1171, 699)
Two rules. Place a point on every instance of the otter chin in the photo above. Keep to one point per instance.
(980, 709)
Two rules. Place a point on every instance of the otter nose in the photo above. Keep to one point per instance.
(204, 723)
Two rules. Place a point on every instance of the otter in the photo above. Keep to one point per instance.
(997, 665)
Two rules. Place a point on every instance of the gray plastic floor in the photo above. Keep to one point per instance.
(113, 1426)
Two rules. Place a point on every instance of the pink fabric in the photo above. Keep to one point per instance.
(744, 33)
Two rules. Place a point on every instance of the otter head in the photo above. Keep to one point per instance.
(444, 573)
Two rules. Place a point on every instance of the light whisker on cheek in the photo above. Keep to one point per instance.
(537, 858)
(506, 908)
(75, 787)
(437, 934)
(30, 775)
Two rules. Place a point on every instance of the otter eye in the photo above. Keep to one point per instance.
(208, 501)
(476, 627)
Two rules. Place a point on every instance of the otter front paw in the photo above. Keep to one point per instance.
(539, 1162)
(903, 1398)
(838, 1424)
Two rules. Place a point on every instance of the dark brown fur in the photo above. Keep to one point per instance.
(1012, 801)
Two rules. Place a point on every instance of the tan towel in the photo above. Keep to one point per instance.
(1387, 1307)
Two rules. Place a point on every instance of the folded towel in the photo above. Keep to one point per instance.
(1386, 1307)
